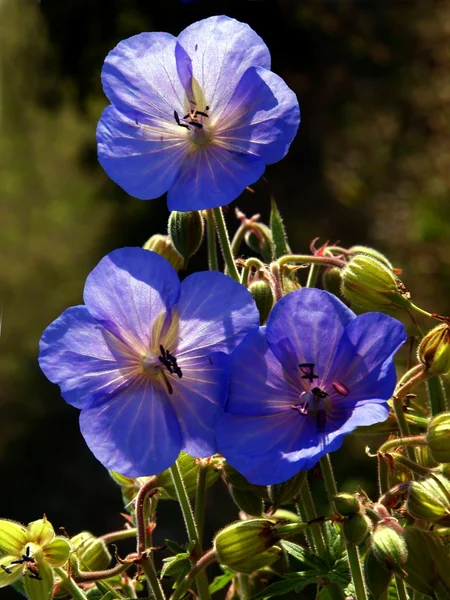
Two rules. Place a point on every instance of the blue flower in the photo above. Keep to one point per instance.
(145, 359)
(198, 116)
(298, 385)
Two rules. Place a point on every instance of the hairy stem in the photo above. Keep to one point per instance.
(211, 237)
(225, 244)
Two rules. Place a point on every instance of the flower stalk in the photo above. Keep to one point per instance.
(225, 244)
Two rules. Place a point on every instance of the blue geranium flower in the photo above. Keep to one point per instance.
(298, 385)
(198, 116)
(145, 359)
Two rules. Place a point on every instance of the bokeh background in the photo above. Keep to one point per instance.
(370, 165)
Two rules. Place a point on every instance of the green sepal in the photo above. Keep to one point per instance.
(39, 589)
(57, 552)
(16, 570)
(13, 537)
(280, 242)
(247, 501)
(376, 576)
(40, 532)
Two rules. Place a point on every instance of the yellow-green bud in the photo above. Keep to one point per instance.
(332, 281)
(248, 501)
(259, 239)
(285, 492)
(186, 231)
(347, 505)
(163, 245)
(427, 565)
(434, 350)
(430, 499)
(356, 528)
(389, 547)
(247, 546)
(354, 250)
(92, 553)
(263, 297)
(438, 438)
(368, 285)
(376, 576)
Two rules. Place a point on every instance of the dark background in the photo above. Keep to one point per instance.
(370, 165)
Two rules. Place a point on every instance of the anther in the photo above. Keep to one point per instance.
(177, 119)
(340, 388)
(319, 393)
(308, 371)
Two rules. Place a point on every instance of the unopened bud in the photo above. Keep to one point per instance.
(427, 567)
(366, 250)
(438, 438)
(430, 499)
(247, 546)
(282, 493)
(92, 553)
(332, 281)
(263, 297)
(434, 350)
(347, 504)
(163, 245)
(390, 549)
(356, 528)
(370, 285)
(247, 501)
(376, 576)
(234, 478)
(259, 239)
(186, 231)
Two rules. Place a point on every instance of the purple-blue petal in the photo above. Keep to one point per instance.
(222, 49)
(129, 293)
(306, 326)
(88, 363)
(141, 157)
(262, 116)
(136, 433)
(213, 176)
(140, 74)
(215, 313)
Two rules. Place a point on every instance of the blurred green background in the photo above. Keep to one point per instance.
(371, 164)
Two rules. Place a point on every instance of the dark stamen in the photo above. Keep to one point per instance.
(195, 124)
(308, 370)
(170, 362)
(6, 569)
(319, 393)
(177, 119)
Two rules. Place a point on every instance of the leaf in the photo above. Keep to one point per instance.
(176, 564)
(221, 581)
(305, 556)
(335, 545)
(174, 547)
(281, 246)
(297, 584)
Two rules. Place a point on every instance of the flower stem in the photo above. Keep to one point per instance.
(225, 244)
(205, 560)
(200, 497)
(150, 572)
(191, 527)
(401, 590)
(69, 584)
(211, 237)
(414, 440)
(244, 588)
(308, 259)
(436, 395)
(414, 467)
(116, 536)
(352, 551)
(310, 513)
(312, 276)
(302, 514)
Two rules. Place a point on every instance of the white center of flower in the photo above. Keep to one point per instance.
(195, 121)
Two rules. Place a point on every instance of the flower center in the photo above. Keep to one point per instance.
(195, 121)
(163, 365)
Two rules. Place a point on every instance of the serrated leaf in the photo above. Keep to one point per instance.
(297, 584)
(219, 582)
(335, 545)
(304, 556)
(181, 575)
(281, 246)
(175, 564)
(175, 548)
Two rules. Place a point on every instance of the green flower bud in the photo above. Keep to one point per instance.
(92, 553)
(356, 528)
(438, 438)
(247, 546)
(163, 245)
(354, 250)
(434, 350)
(285, 492)
(246, 500)
(263, 297)
(332, 281)
(186, 232)
(429, 499)
(376, 576)
(368, 284)
(427, 565)
(189, 466)
(259, 239)
(347, 505)
(389, 547)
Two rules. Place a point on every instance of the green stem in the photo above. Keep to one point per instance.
(200, 497)
(308, 259)
(225, 244)
(403, 424)
(401, 590)
(436, 395)
(414, 440)
(420, 310)
(238, 238)
(352, 551)
(205, 560)
(302, 514)
(414, 467)
(244, 587)
(312, 276)
(150, 572)
(69, 584)
(211, 237)
(310, 513)
(191, 527)
(116, 536)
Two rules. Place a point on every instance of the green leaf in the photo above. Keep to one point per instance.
(297, 584)
(335, 545)
(174, 547)
(281, 246)
(175, 564)
(221, 581)
(304, 556)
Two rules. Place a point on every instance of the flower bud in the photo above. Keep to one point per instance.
(438, 438)
(376, 576)
(186, 232)
(389, 547)
(163, 245)
(434, 350)
(367, 251)
(259, 239)
(263, 297)
(234, 478)
(332, 281)
(370, 285)
(347, 505)
(92, 553)
(285, 492)
(248, 501)
(430, 499)
(356, 528)
(427, 566)
(247, 546)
